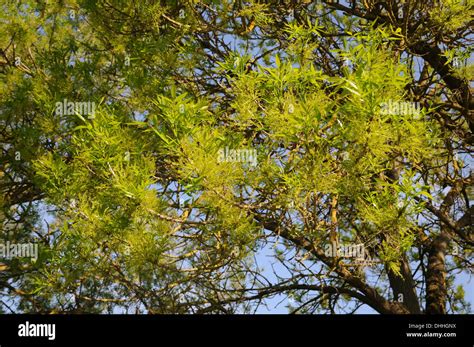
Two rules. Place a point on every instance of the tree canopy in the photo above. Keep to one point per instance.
(207, 156)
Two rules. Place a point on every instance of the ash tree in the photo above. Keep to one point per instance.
(216, 156)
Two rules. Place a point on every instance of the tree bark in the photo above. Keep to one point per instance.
(403, 287)
(436, 291)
